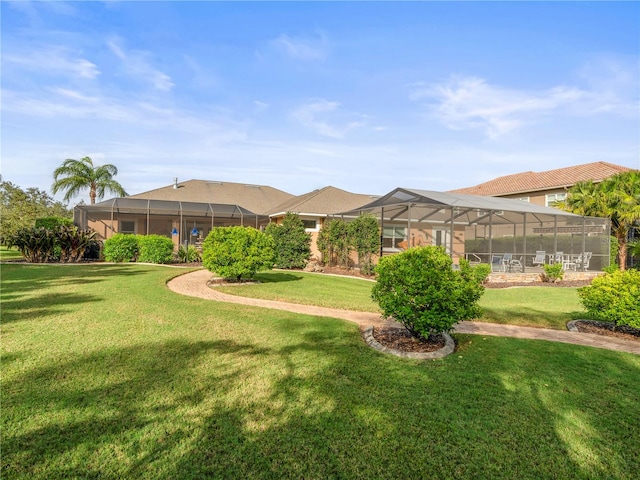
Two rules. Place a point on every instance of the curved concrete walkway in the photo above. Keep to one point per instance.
(194, 284)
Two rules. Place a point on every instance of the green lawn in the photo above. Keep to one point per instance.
(530, 306)
(108, 374)
(9, 253)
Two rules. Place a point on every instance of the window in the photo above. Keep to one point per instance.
(127, 226)
(555, 197)
(310, 224)
(392, 236)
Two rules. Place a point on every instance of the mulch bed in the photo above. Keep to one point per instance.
(401, 339)
(563, 283)
(607, 328)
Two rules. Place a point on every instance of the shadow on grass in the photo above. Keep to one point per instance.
(278, 277)
(22, 286)
(324, 406)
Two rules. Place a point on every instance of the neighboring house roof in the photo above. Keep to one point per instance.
(536, 181)
(257, 198)
(325, 201)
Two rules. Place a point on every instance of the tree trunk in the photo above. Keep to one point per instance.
(622, 252)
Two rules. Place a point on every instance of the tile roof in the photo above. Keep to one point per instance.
(325, 201)
(256, 198)
(551, 179)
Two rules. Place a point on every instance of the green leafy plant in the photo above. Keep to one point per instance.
(74, 243)
(420, 289)
(154, 249)
(552, 273)
(482, 271)
(188, 254)
(237, 252)
(365, 239)
(334, 242)
(614, 297)
(37, 245)
(64, 244)
(121, 247)
(292, 243)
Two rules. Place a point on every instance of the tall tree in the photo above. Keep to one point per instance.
(76, 175)
(20, 208)
(617, 197)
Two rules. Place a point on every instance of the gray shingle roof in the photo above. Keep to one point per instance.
(324, 201)
(255, 198)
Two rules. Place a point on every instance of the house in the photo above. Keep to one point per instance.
(543, 188)
(188, 211)
(471, 226)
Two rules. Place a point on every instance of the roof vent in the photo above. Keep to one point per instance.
(175, 183)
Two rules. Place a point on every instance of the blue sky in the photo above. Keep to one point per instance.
(364, 96)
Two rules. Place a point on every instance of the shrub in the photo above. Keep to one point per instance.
(60, 244)
(614, 297)
(121, 247)
(53, 222)
(189, 254)
(74, 243)
(37, 245)
(334, 241)
(420, 289)
(292, 243)
(552, 273)
(237, 252)
(154, 249)
(481, 271)
(365, 239)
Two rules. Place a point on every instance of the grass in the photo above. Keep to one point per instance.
(528, 306)
(9, 253)
(347, 293)
(108, 374)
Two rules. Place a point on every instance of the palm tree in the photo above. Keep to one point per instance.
(617, 197)
(76, 175)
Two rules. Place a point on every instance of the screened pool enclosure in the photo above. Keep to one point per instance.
(490, 230)
(185, 222)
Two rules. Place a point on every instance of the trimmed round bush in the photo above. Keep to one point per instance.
(614, 297)
(237, 252)
(420, 289)
(122, 247)
(155, 249)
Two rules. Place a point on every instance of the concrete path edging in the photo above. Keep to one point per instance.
(449, 347)
(195, 284)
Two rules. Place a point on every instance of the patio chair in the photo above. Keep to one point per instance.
(496, 263)
(539, 258)
(516, 264)
(571, 264)
(559, 256)
(585, 261)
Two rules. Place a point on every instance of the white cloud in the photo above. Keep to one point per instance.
(137, 64)
(325, 118)
(53, 60)
(470, 102)
(301, 49)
